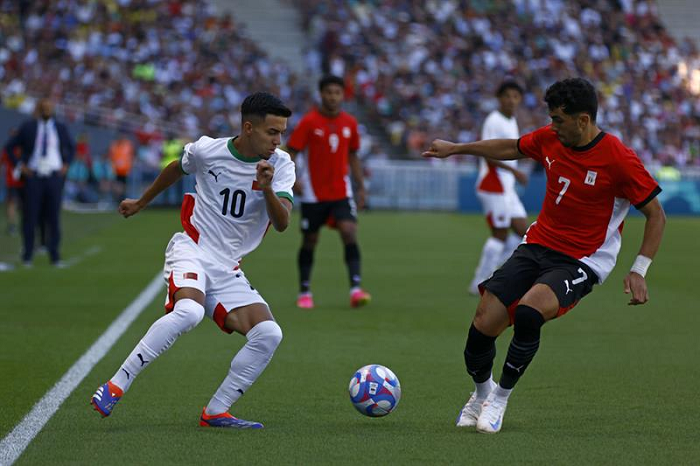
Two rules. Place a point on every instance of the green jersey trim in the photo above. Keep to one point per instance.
(286, 196)
(238, 155)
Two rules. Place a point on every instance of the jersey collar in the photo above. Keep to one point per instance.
(238, 155)
(591, 144)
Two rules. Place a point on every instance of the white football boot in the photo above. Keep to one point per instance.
(491, 418)
(471, 411)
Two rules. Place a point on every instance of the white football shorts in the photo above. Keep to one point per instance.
(225, 289)
(501, 208)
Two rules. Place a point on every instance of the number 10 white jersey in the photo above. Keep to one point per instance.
(227, 217)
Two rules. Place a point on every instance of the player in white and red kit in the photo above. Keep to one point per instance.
(495, 188)
(329, 138)
(592, 179)
(244, 184)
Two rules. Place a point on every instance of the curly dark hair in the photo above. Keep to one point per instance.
(261, 104)
(573, 95)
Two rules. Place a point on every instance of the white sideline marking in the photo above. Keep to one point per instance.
(88, 252)
(21, 436)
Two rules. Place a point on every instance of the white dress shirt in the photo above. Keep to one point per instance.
(45, 165)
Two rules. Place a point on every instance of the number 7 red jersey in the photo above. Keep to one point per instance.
(589, 193)
(327, 140)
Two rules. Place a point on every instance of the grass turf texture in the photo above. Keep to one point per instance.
(610, 384)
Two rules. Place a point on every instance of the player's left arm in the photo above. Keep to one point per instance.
(278, 208)
(635, 282)
(358, 176)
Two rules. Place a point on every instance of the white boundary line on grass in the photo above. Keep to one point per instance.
(88, 252)
(12, 446)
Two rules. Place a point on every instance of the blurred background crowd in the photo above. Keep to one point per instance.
(161, 72)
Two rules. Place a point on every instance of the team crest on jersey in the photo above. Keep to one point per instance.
(346, 132)
(590, 177)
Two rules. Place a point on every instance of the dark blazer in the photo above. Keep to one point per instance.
(26, 137)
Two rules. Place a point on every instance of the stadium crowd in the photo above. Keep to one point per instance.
(173, 65)
(161, 69)
(429, 69)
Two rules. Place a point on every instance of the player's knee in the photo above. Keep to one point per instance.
(527, 320)
(267, 335)
(189, 312)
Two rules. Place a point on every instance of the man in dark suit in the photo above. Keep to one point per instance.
(46, 150)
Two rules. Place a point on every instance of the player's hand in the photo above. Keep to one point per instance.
(520, 176)
(264, 173)
(26, 171)
(129, 207)
(635, 284)
(439, 148)
(298, 188)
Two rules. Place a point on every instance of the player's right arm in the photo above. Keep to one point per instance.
(497, 149)
(170, 175)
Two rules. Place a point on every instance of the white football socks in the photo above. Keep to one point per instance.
(246, 366)
(186, 314)
(483, 389)
(512, 242)
(490, 255)
(501, 394)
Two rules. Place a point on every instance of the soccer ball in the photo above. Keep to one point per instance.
(374, 390)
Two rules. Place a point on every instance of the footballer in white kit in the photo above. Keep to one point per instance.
(244, 185)
(495, 188)
(225, 220)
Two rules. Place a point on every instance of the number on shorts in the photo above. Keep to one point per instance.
(566, 182)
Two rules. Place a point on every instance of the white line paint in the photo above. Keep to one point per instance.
(88, 252)
(17, 441)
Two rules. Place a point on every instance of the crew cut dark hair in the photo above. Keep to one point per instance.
(330, 79)
(508, 84)
(573, 95)
(261, 104)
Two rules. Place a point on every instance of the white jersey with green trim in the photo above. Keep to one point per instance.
(227, 216)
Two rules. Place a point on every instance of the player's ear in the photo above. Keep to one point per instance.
(584, 119)
(247, 127)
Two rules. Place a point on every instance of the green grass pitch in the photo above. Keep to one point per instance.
(611, 384)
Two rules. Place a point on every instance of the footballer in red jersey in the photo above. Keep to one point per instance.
(592, 180)
(324, 144)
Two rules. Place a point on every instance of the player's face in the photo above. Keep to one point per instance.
(266, 135)
(568, 128)
(332, 97)
(509, 101)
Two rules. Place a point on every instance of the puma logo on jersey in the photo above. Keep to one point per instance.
(215, 175)
(549, 162)
(568, 289)
(318, 132)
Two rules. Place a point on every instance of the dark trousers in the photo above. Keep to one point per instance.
(42, 204)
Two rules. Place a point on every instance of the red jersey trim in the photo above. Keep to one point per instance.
(491, 183)
(186, 217)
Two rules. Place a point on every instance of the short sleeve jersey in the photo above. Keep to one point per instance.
(588, 195)
(492, 179)
(327, 141)
(227, 217)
